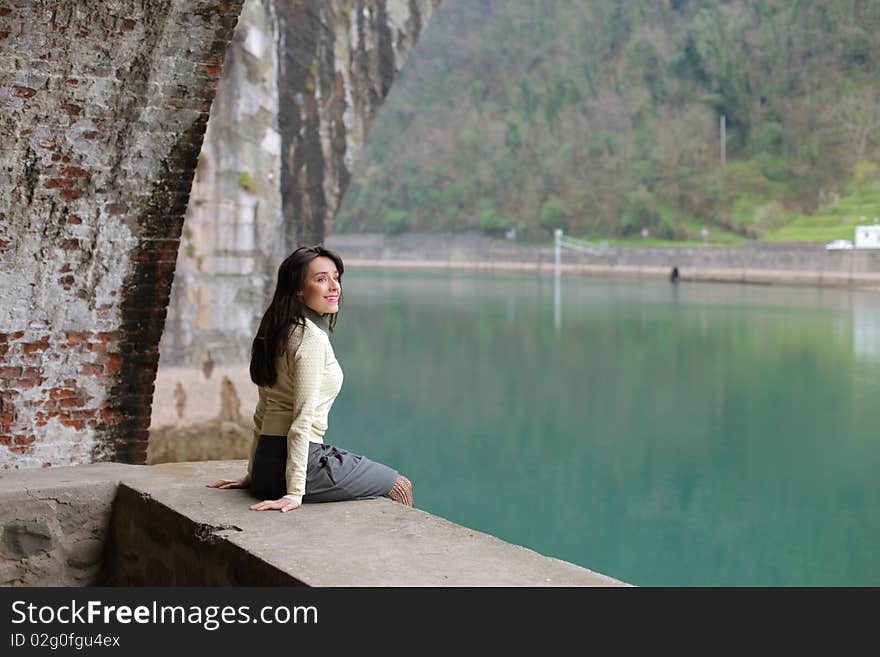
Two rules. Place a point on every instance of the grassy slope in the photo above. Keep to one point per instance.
(838, 216)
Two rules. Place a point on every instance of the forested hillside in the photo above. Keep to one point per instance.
(602, 117)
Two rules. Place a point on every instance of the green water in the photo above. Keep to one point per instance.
(690, 435)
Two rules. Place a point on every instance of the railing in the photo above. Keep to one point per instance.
(584, 246)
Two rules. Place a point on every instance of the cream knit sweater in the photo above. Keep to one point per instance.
(309, 379)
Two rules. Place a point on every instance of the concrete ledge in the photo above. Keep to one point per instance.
(54, 522)
(167, 528)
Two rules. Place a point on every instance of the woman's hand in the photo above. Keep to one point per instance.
(244, 482)
(284, 505)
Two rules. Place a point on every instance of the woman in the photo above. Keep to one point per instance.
(293, 364)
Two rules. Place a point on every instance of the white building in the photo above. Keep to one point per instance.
(868, 237)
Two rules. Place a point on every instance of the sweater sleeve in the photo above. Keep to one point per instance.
(258, 423)
(306, 371)
(251, 453)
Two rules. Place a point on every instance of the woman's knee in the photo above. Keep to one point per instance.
(402, 491)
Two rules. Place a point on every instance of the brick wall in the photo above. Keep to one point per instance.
(103, 108)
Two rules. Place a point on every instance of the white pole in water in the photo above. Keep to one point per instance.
(558, 253)
(557, 304)
(557, 310)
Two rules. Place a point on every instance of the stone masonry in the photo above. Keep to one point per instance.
(301, 85)
(103, 107)
(333, 77)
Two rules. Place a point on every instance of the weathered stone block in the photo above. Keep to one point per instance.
(24, 538)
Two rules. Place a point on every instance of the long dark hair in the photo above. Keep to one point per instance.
(285, 312)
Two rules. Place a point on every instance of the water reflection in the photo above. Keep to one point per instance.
(866, 333)
(557, 303)
(694, 434)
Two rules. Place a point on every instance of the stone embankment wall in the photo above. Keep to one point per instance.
(201, 415)
(791, 263)
(103, 107)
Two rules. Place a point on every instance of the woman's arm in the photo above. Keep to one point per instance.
(306, 371)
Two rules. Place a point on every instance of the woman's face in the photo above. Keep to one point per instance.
(323, 286)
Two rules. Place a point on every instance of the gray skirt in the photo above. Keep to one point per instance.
(332, 474)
